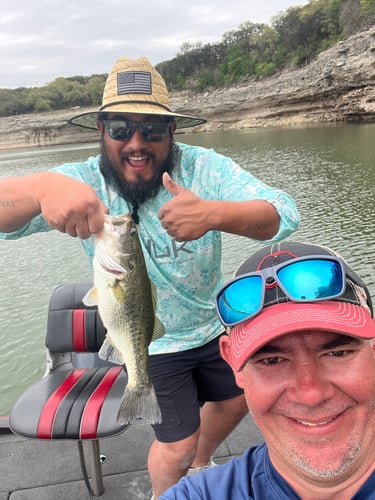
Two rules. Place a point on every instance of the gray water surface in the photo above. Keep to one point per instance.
(328, 170)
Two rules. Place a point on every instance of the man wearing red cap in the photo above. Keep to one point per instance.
(301, 344)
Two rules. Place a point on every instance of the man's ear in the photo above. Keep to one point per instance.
(225, 349)
(226, 354)
(172, 129)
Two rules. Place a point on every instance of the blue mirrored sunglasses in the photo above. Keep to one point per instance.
(304, 279)
(123, 130)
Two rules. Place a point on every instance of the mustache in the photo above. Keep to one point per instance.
(323, 412)
(138, 192)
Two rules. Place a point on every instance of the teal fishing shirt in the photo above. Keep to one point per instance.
(187, 275)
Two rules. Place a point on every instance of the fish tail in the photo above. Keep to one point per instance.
(138, 404)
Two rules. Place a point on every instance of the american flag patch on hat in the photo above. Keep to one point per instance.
(134, 82)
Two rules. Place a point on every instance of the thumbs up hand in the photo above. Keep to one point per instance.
(184, 217)
(172, 186)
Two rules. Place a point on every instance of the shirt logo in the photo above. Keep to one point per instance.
(171, 251)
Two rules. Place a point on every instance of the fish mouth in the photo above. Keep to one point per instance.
(116, 226)
(114, 222)
(116, 272)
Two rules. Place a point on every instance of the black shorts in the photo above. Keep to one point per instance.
(185, 380)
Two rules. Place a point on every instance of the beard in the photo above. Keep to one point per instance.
(137, 192)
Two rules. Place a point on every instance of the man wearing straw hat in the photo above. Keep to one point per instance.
(182, 197)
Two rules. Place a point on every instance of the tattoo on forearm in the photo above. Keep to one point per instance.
(6, 203)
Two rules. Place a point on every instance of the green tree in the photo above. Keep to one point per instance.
(8, 102)
(264, 69)
(41, 105)
(368, 7)
(367, 11)
(94, 89)
(65, 93)
(253, 50)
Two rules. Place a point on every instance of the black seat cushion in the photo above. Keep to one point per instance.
(72, 326)
(79, 403)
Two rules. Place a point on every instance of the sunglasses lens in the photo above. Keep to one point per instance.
(120, 130)
(240, 300)
(123, 130)
(154, 131)
(310, 280)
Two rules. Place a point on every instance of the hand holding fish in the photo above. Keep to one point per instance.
(71, 206)
(67, 205)
(185, 216)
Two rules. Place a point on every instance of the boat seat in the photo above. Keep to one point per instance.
(79, 395)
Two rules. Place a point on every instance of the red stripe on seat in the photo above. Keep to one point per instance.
(48, 413)
(91, 413)
(79, 330)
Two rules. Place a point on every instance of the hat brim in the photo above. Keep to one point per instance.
(89, 119)
(280, 319)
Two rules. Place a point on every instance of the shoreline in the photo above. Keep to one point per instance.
(337, 87)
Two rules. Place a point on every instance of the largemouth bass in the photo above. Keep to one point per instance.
(126, 300)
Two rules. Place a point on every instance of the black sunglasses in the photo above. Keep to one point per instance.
(123, 130)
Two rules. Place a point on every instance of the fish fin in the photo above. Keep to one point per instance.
(119, 293)
(108, 352)
(138, 404)
(91, 298)
(154, 295)
(159, 329)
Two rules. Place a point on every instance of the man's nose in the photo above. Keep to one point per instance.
(310, 385)
(136, 139)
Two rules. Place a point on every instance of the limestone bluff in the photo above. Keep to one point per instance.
(337, 86)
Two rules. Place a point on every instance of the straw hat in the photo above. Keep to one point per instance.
(134, 86)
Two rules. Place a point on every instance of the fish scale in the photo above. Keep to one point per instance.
(126, 300)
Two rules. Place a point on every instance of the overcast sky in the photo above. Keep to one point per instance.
(43, 39)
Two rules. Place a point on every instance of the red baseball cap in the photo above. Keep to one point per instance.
(349, 314)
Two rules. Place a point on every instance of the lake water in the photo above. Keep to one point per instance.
(329, 170)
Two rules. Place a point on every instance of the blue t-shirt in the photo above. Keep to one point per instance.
(249, 477)
(187, 275)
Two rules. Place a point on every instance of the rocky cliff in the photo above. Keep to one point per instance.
(339, 85)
